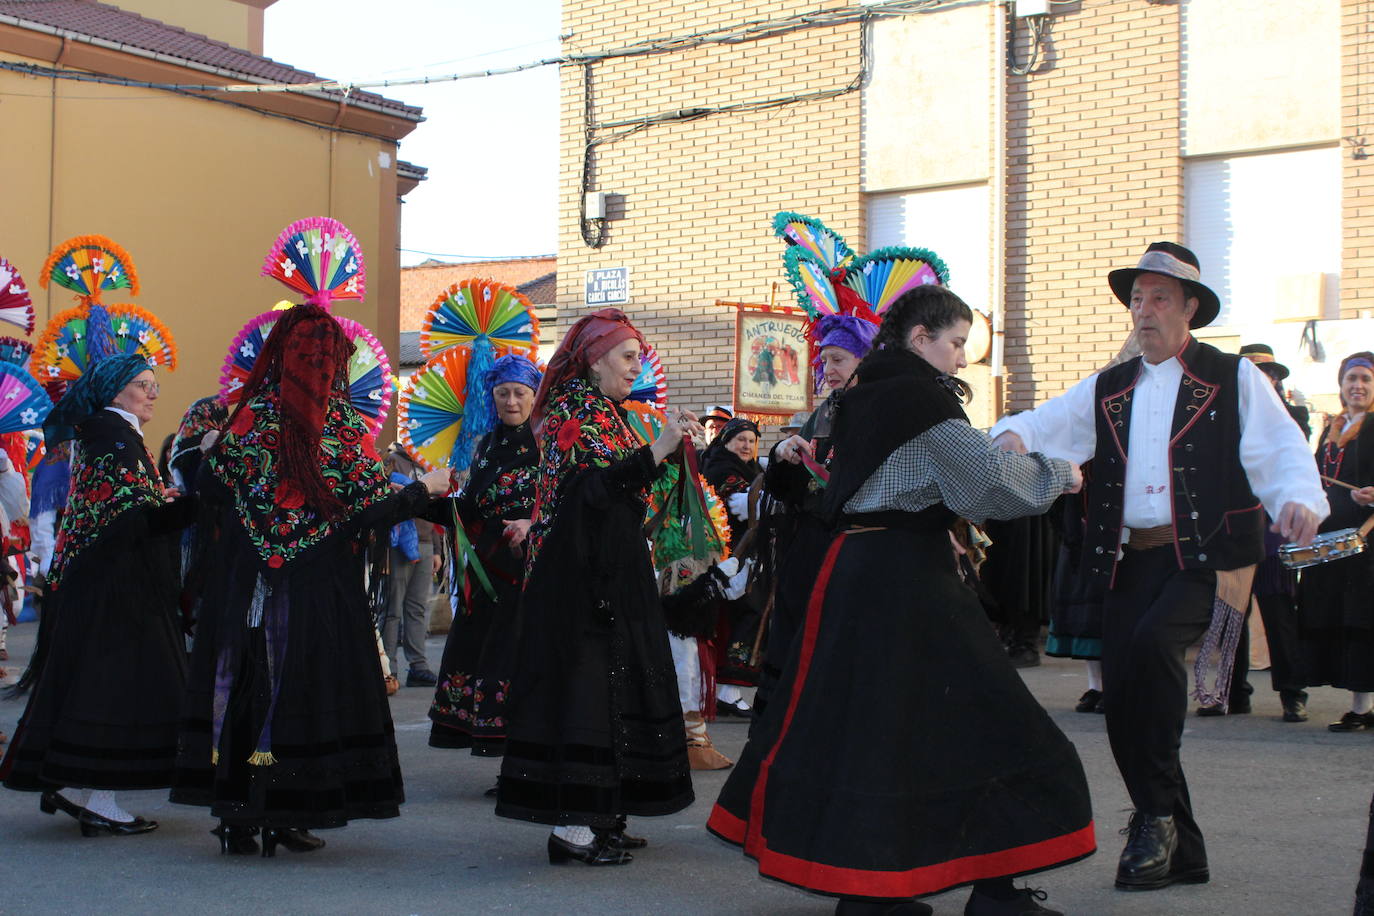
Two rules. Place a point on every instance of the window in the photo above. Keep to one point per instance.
(1260, 224)
(951, 222)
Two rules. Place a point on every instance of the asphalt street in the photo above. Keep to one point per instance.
(1283, 807)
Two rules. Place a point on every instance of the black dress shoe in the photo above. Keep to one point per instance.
(1294, 708)
(293, 839)
(53, 802)
(1088, 701)
(423, 678)
(93, 824)
(597, 852)
(236, 840)
(738, 709)
(1024, 902)
(1146, 862)
(1353, 722)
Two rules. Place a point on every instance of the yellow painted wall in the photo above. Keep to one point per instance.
(1259, 74)
(223, 20)
(196, 192)
(928, 107)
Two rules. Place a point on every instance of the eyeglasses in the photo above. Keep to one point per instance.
(148, 387)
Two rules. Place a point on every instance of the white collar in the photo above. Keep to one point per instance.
(1169, 366)
(132, 420)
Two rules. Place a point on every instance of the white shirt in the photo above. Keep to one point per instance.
(1273, 451)
(133, 420)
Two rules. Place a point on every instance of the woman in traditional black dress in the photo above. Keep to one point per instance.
(801, 535)
(286, 726)
(469, 709)
(1335, 611)
(109, 668)
(957, 776)
(730, 467)
(595, 729)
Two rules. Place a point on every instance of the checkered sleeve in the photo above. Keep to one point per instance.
(957, 465)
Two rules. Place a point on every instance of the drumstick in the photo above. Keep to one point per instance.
(1339, 483)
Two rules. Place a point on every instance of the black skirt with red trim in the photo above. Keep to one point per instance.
(901, 754)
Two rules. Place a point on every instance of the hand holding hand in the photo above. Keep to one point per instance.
(1075, 479)
(436, 482)
(1010, 442)
(1297, 523)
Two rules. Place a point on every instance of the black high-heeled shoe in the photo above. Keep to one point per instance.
(53, 802)
(235, 840)
(294, 839)
(597, 852)
(93, 824)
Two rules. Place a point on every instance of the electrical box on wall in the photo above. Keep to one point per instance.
(1032, 8)
(596, 205)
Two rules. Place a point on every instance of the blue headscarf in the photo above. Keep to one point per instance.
(511, 368)
(90, 394)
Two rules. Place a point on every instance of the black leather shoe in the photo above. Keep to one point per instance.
(236, 840)
(1353, 722)
(738, 709)
(1088, 701)
(622, 840)
(1294, 709)
(1026, 902)
(425, 678)
(1146, 862)
(597, 852)
(293, 839)
(53, 802)
(94, 824)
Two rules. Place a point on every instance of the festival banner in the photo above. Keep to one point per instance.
(773, 376)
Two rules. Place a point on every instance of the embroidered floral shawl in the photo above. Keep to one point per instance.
(582, 430)
(273, 512)
(112, 473)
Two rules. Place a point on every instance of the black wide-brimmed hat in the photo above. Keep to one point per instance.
(1172, 261)
(1262, 355)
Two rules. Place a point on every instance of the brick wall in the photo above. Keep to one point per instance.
(1094, 175)
(694, 226)
(1357, 174)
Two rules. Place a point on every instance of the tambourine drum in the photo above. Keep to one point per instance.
(1333, 545)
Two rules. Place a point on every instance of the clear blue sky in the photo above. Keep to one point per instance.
(491, 145)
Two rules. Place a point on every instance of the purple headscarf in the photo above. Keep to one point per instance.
(848, 332)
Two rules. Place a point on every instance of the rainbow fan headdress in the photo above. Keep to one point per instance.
(490, 320)
(829, 279)
(16, 305)
(88, 265)
(370, 386)
(79, 336)
(320, 258)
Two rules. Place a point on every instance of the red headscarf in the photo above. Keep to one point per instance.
(306, 357)
(591, 338)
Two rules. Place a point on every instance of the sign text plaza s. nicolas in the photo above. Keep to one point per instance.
(608, 286)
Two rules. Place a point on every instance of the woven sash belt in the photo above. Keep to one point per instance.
(1146, 538)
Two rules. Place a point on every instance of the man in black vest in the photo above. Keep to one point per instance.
(1190, 447)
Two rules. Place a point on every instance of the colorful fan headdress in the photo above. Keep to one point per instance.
(433, 407)
(16, 305)
(489, 320)
(651, 385)
(320, 258)
(76, 338)
(830, 279)
(23, 402)
(16, 351)
(370, 386)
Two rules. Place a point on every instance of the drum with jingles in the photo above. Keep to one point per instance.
(1331, 545)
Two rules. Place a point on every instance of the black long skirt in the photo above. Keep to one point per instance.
(469, 708)
(1336, 623)
(331, 730)
(798, 563)
(103, 713)
(596, 727)
(901, 754)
